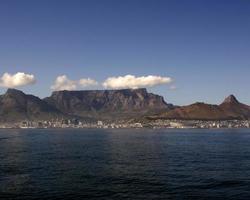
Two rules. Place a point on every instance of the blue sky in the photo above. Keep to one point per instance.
(203, 45)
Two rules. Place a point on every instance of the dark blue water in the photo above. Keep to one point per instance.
(124, 164)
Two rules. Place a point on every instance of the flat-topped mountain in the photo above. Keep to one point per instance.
(231, 108)
(108, 104)
(16, 106)
(111, 105)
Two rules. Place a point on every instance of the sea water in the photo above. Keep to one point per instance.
(124, 164)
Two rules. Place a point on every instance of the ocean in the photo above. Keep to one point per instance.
(124, 164)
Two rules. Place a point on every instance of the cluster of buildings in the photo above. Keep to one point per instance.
(75, 123)
(70, 123)
(199, 124)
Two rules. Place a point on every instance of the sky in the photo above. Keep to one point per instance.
(186, 51)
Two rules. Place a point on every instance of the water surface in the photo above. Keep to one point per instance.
(125, 164)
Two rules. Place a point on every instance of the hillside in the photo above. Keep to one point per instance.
(231, 108)
(17, 106)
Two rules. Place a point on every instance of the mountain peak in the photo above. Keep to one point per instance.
(231, 99)
(14, 91)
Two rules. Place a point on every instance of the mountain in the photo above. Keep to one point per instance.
(231, 108)
(194, 111)
(234, 108)
(17, 106)
(108, 104)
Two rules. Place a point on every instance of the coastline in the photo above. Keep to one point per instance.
(143, 128)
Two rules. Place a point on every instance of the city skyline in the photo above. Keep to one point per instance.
(185, 51)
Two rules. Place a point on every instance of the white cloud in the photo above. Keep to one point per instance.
(133, 82)
(64, 83)
(84, 82)
(16, 80)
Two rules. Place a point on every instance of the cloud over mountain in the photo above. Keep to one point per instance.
(133, 82)
(64, 83)
(85, 82)
(16, 80)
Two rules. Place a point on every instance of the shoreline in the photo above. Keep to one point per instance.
(146, 128)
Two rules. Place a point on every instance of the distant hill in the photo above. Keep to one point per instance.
(231, 108)
(108, 104)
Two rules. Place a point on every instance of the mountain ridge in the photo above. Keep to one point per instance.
(122, 103)
(229, 109)
(15, 105)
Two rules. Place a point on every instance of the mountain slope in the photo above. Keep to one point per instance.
(234, 108)
(231, 108)
(108, 104)
(17, 106)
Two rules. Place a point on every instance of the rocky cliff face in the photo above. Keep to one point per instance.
(17, 106)
(231, 108)
(108, 103)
